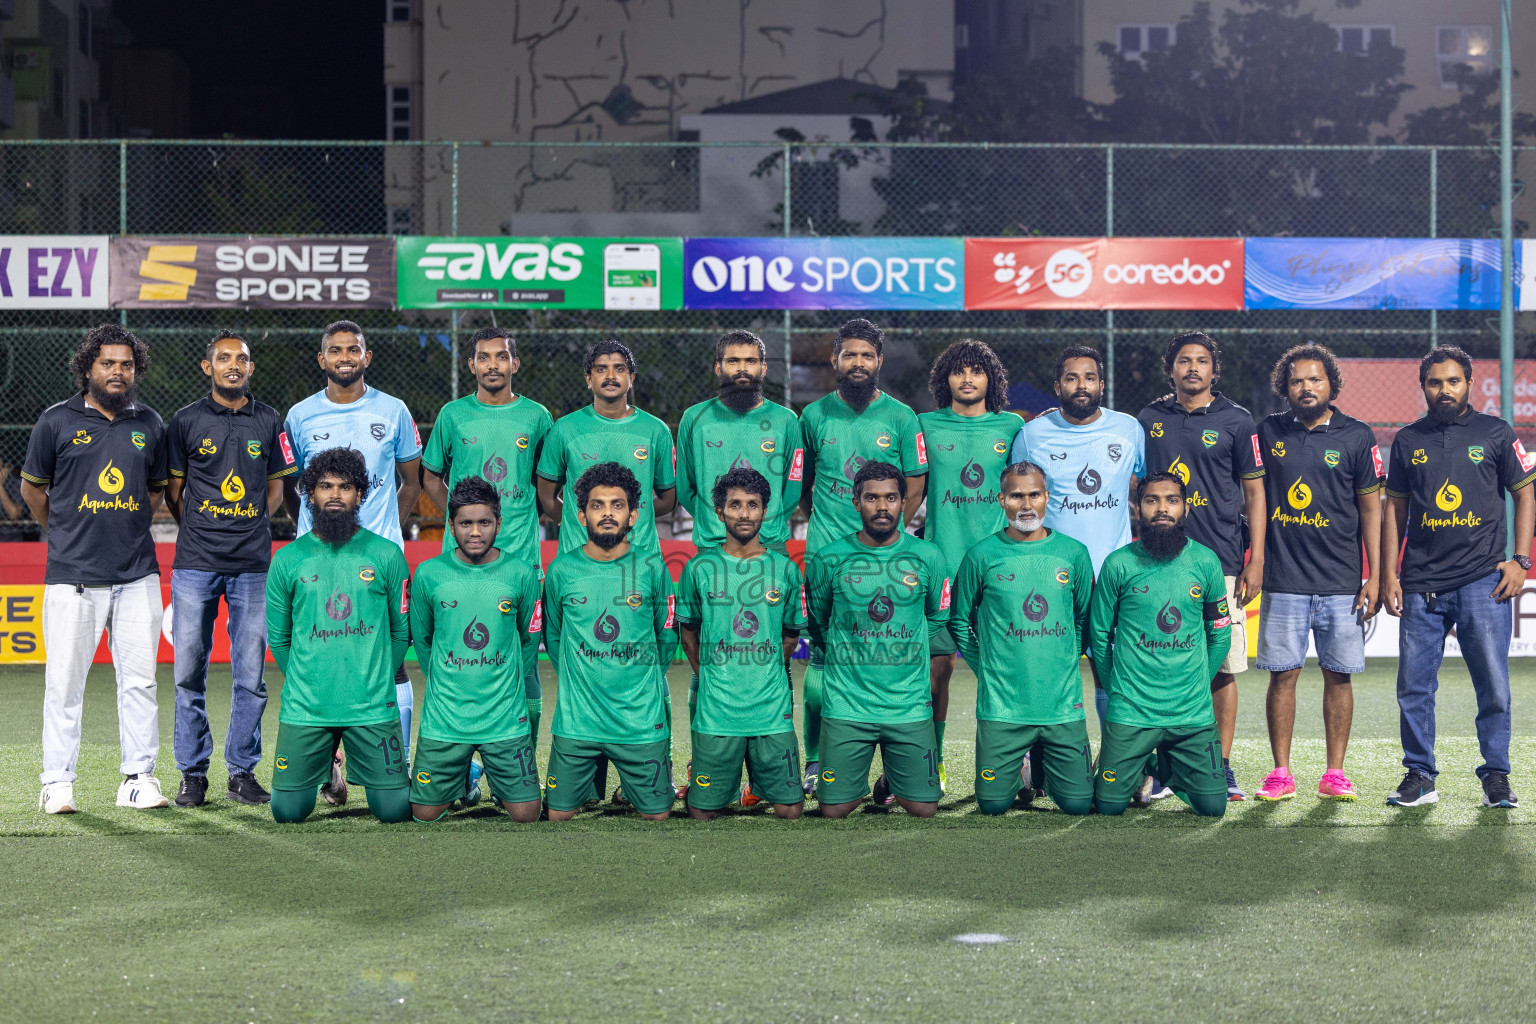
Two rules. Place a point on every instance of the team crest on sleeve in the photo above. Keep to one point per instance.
(282, 442)
(922, 449)
(1376, 460)
(944, 595)
(366, 574)
(537, 622)
(797, 465)
(1258, 456)
(1527, 461)
(253, 449)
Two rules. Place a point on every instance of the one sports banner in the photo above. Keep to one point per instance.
(1104, 273)
(540, 273)
(823, 273)
(1372, 273)
(279, 272)
(53, 271)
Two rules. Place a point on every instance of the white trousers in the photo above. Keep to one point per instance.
(72, 624)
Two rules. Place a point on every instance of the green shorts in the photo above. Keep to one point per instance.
(305, 753)
(1068, 761)
(441, 771)
(908, 752)
(645, 773)
(942, 644)
(1188, 760)
(773, 767)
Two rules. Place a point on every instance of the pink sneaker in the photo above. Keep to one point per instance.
(1278, 785)
(1335, 785)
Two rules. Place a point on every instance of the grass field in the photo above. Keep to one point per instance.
(1300, 911)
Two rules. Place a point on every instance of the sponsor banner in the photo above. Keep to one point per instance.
(1371, 273)
(1387, 391)
(1525, 268)
(823, 273)
(280, 272)
(540, 273)
(1104, 273)
(53, 271)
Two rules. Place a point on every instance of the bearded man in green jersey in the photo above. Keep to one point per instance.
(338, 601)
(740, 610)
(1019, 613)
(840, 432)
(609, 622)
(1158, 629)
(875, 598)
(476, 623)
(497, 435)
(967, 438)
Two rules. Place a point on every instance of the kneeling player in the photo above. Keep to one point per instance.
(337, 606)
(1158, 629)
(739, 611)
(475, 620)
(874, 599)
(1018, 617)
(608, 620)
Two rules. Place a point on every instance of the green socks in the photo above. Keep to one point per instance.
(938, 739)
(292, 805)
(535, 711)
(811, 714)
(390, 805)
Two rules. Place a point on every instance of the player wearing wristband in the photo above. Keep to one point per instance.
(875, 598)
(740, 609)
(967, 438)
(337, 606)
(1159, 629)
(475, 620)
(1021, 598)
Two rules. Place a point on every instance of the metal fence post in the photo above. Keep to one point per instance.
(122, 206)
(1434, 220)
(453, 317)
(789, 348)
(1109, 314)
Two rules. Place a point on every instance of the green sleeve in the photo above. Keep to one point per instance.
(808, 442)
(552, 608)
(552, 456)
(687, 491)
(1218, 619)
(1082, 591)
(436, 456)
(792, 479)
(529, 614)
(963, 609)
(1101, 621)
(689, 611)
(422, 607)
(398, 573)
(666, 465)
(818, 598)
(936, 603)
(665, 616)
(279, 612)
(914, 454)
(794, 593)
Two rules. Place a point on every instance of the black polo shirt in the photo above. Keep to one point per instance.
(99, 473)
(227, 456)
(1313, 479)
(1454, 476)
(1213, 450)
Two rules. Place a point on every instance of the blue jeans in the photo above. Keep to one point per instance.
(1483, 627)
(194, 603)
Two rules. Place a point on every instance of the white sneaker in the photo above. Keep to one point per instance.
(57, 798)
(141, 791)
(335, 791)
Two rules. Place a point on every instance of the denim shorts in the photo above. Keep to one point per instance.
(1286, 619)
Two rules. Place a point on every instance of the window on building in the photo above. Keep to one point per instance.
(400, 220)
(1471, 45)
(1138, 40)
(397, 10)
(57, 100)
(84, 131)
(1360, 38)
(399, 111)
(85, 30)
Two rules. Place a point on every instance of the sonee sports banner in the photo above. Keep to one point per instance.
(253, 273)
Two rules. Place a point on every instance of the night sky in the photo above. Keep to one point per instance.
(301, 69)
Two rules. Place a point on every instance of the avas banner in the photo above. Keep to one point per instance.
(1103, 273)
(823, 273)
(53, 271)
(540, 273)
(280, 272)
(1372, 273)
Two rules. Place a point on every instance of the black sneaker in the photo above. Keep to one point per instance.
(244, 789)
(882, 794)
(194, 791)
(1496, 791)
(1415, 790)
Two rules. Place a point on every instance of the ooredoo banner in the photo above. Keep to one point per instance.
(823, 273)
(280, 272)
(1104, 273)
(53, 271)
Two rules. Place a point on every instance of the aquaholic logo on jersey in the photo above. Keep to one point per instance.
(1035, 606)
(1089, 481)
(744, 624)
(880, 609)
(494, 469)
(110, 481)
(1169, 618)
(972, 475)
(1448, 499)
(1299, 495)
(852, 466)
(476, 635)
(338, 606)
(606, 628)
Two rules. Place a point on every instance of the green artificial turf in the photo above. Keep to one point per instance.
(1298, 911)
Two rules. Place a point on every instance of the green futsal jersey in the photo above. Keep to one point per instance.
(611, 628)
(966, 459)
(501, 444)
(838, 441)
(639, 442)
(1019, 612)
(338, 626)
(1158, 629)
(873, 611)
(476, 629)
(713, 439)
(741, 608)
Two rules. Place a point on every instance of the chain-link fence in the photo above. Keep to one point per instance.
(701, 189)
